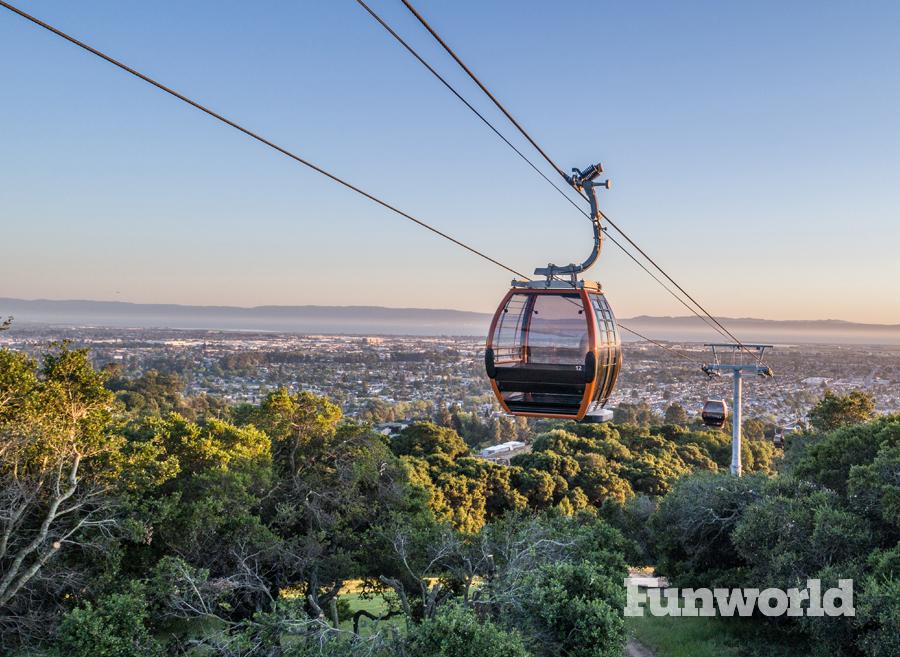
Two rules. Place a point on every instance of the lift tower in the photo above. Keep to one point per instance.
(737, 368)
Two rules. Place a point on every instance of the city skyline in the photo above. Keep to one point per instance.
(764, 178)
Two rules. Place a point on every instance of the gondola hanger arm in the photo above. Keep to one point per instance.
(585, 183)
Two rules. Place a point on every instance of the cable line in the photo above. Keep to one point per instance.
(672, 280)
(559, 170)
(483, 88)
(524, 157)
(288, 153)
(253, 135)
(453, 90)
(659, 344)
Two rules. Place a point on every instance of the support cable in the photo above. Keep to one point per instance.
(252, 134)
(286, 152)
(659, 344)
(558, 169)
(487, 92)
(524, 157)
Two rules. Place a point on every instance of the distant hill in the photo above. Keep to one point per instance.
(288, 319)
(825, 331)
(410, 321)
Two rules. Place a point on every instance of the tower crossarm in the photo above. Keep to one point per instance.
(752, 368)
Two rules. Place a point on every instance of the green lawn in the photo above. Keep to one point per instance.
(671, 636)
(687, 636)
(375, 605)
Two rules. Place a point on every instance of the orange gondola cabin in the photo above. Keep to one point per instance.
(553, 349)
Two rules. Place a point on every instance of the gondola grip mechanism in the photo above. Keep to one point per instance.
(584, 182)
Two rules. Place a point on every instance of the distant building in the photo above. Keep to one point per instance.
(391, 429)
(503, 448)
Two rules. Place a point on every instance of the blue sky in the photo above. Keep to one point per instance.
(754, 150)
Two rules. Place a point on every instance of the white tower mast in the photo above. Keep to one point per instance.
(737, 369)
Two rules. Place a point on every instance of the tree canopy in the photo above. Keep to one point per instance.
(166, 526)
(834, 411)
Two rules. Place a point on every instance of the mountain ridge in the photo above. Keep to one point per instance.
(413, 321)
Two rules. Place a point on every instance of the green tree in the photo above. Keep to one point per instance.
(754, 429)
(152, 393)
(558, 580)
(832, 514)
(202, 499)
(336, 484)
(828, 460)
(691, 530)
(576, 609)
(640, 414)
(538, 486)
(873, 490)
(60, 473)
(878, 606)
(795, 530)
(675, 414)
(426, 439)
(297, 424)
(834, 411)
(378, 410)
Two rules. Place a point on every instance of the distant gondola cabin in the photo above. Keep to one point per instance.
(714, 413)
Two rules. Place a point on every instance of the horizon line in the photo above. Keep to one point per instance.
(405, 308)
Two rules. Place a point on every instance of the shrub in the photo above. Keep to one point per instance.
(878, 605)
(114, 627)
(574, 609)
(456, 632)
(690, 533)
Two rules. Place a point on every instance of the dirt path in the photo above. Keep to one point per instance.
(635, 649)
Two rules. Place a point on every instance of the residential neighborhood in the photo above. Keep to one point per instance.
(395, 378)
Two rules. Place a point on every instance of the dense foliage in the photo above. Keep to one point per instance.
(569, 468)
(136, 522)
(832, 514)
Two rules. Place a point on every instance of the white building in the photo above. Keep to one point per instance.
(502, 448)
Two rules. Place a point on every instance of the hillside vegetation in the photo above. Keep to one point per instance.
(161, 525)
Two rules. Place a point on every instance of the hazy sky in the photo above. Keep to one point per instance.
(754, 150)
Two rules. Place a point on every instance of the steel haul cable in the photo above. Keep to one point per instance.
(659, 344)
(487, 92)
(524, 157)
(251, 134)
(558, 169)
(273, 145)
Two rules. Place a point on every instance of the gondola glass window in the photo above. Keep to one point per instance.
(557, 332)
(553, 353)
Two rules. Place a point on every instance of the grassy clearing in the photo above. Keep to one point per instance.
(670, 636)
(689, 636)
(352, 593)
(376, 606)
